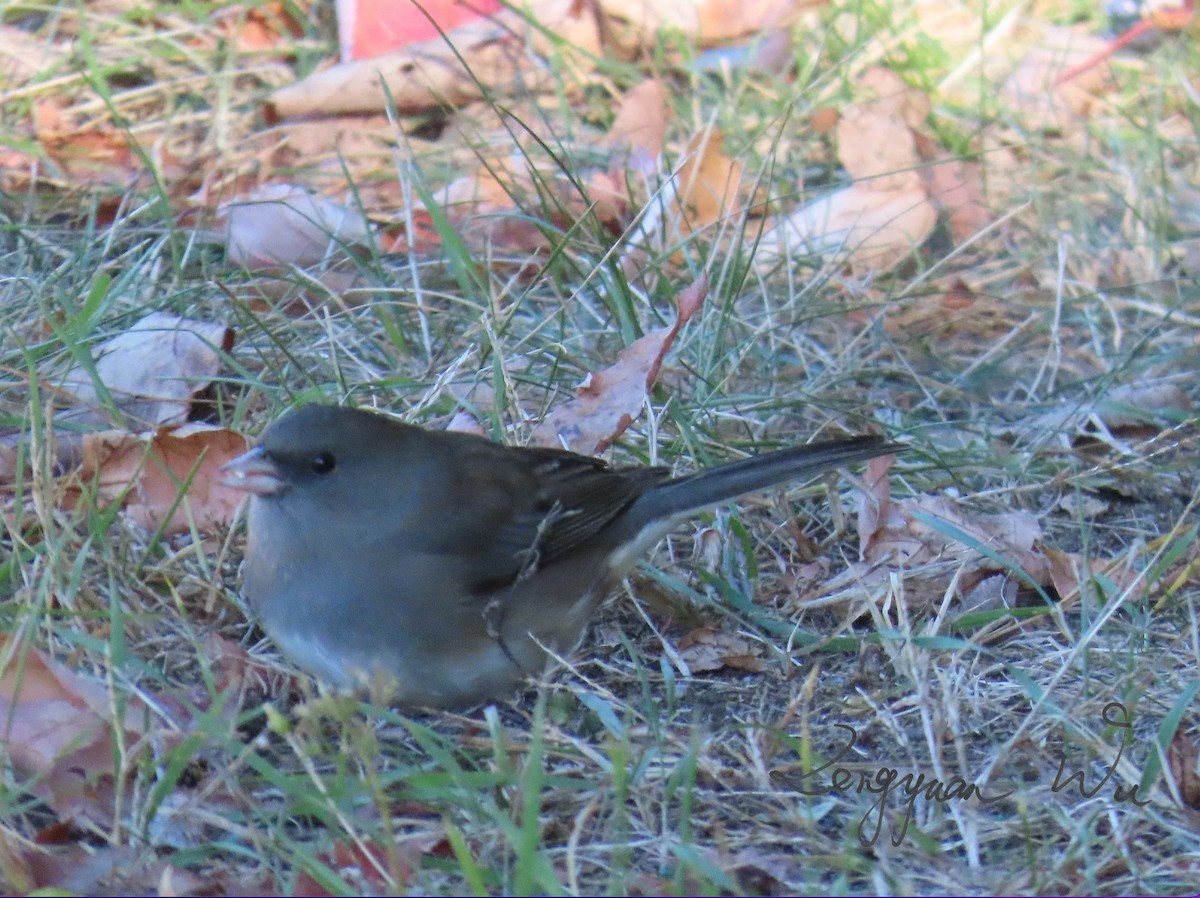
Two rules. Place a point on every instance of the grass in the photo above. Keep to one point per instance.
(622, 771)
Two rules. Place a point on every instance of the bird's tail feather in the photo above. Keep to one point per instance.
(694, 492)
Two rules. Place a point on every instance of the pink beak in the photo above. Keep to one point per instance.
(252, 472)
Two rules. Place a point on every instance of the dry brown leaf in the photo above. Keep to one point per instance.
(57, 731)
(1083, 506)
(153, 372)
(956, 188)
(869, 230)
(1064, 572)
(906, 537)
(641, 120)
(1128, 411)
(23, 55)
(993, 592)
(882, 90)
(501, 54)
(254, 28)
(879, 145)
(364, 861)
(148, 471)
(707, 182)
(507, 205)
(1031, 91)
(875, 504)
(282, 224)
(608, 401)
(1133, 406)
(705, 649)
(702, 191)
(1183, 766)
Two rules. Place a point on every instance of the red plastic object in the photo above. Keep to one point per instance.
(370, 27)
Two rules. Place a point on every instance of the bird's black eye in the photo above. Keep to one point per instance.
(323, 463)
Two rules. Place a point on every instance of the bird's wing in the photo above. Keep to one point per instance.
(554, 503)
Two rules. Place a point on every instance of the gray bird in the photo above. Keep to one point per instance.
(443, 566)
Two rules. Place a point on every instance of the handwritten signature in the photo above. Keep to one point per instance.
(887, 782)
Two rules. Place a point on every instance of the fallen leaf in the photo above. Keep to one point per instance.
(512, 204)
(256, 28)
(991, 593)
(148, 473)
(708, 183)
(1127, 411)
(154, 372)
(1183, 766)
(705, 649)
(1033, 92)
(1133, 406)
(364, 865)
(23, 55)
(928, 529)
(703, 190)
(871, 231)
(879, 145)
(704, 22)
(956, 188)
(874, 504)
(608, 401)
(883, 91)
(282, 224)
(641, 120)
(57, 732)
(1083, 506)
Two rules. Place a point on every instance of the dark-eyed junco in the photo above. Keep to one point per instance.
(443, 565)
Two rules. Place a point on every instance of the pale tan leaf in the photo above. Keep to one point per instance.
(956, 187)
(608, 401)
(56, 729)
(877, 144)
(869, 230)
(153, 371)
(705, 22)
(874, 505)
(282, 224)
(1033, 95)
(641, 120)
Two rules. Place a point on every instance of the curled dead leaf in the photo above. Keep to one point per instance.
(641, 120)
(879, 145)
